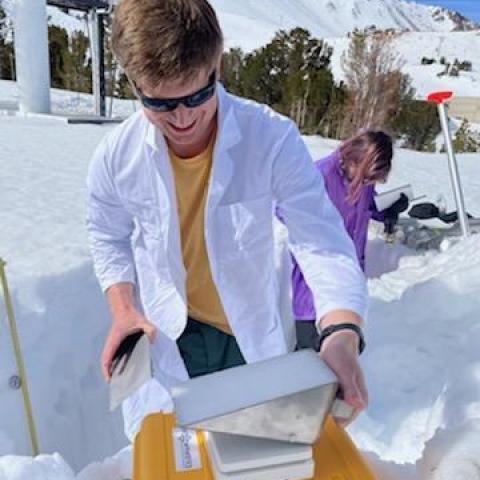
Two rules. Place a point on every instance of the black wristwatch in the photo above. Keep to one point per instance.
(343, 326)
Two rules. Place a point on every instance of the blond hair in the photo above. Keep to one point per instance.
(157, 40)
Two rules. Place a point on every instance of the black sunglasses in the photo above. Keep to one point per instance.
(190, 101)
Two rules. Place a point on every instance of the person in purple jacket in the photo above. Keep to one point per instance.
(350, 174)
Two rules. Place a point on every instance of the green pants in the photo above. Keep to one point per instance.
(205, 349)
(307, 335)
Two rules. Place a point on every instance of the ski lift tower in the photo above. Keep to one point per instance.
(31, 50)
(31, 56)
(96, 10)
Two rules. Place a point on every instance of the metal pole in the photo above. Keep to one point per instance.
(98, 63)
(454, 174)
(19, 360)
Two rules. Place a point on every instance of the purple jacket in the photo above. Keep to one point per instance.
(355, 217)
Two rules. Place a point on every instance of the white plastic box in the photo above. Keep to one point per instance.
(283, 398)
(234, 457)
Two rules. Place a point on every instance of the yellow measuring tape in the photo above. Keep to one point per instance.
(19, 359)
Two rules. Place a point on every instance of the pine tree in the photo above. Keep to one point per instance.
(117, 84)
(2, 39)
(417, 124)
(123, 89)
(7, 55)
(465, 140)
(232, 66)
(112, 68)
(78, 68)
(59, 56)
(306, 63)
(265, 71)
(291, 74)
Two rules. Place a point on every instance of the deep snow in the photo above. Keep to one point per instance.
(422, 360)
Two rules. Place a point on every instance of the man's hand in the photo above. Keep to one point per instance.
(125, 321)
(340, 353)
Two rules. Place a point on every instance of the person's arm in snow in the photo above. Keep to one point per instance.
(327, 257)
(391, 214)
(377, 215)
(110, 227)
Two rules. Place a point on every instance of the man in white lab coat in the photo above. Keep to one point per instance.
(181, 201)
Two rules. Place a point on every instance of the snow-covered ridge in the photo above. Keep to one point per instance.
(413, 46)
(337, 18)
(429, 31)
(461, 22)
(324, 18)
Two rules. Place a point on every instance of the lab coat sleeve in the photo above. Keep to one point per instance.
(109, 225)
(317, 236)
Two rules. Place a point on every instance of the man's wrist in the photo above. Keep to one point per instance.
(339, 316)
(121, 299)
(345, 338)
(351, 330)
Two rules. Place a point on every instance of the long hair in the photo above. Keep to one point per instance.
(371, 151)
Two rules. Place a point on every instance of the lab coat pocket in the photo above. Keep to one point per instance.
(149, 238)
(246, 227)
(146, 216)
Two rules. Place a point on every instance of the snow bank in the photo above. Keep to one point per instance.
(65, 102)
(118, 467)
(422, 363)
(453, 454)
(61, 315)
(43, 467)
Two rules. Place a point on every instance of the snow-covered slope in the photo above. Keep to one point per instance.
(328, 18)
(428, 31)
(411, 47)
(463, 46)
(323, 17)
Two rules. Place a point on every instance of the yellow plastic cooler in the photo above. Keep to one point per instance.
(269, 420)
(164, 452)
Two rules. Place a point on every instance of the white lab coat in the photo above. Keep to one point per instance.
(260, 162)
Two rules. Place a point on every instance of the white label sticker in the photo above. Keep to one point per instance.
(187, 451)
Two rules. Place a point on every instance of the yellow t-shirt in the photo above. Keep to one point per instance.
(191, 183)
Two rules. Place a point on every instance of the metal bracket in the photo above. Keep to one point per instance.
(15, 382)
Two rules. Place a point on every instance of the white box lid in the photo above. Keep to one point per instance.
(233, 453)
(237, 388)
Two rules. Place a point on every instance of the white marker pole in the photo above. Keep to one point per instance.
(439, 98)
